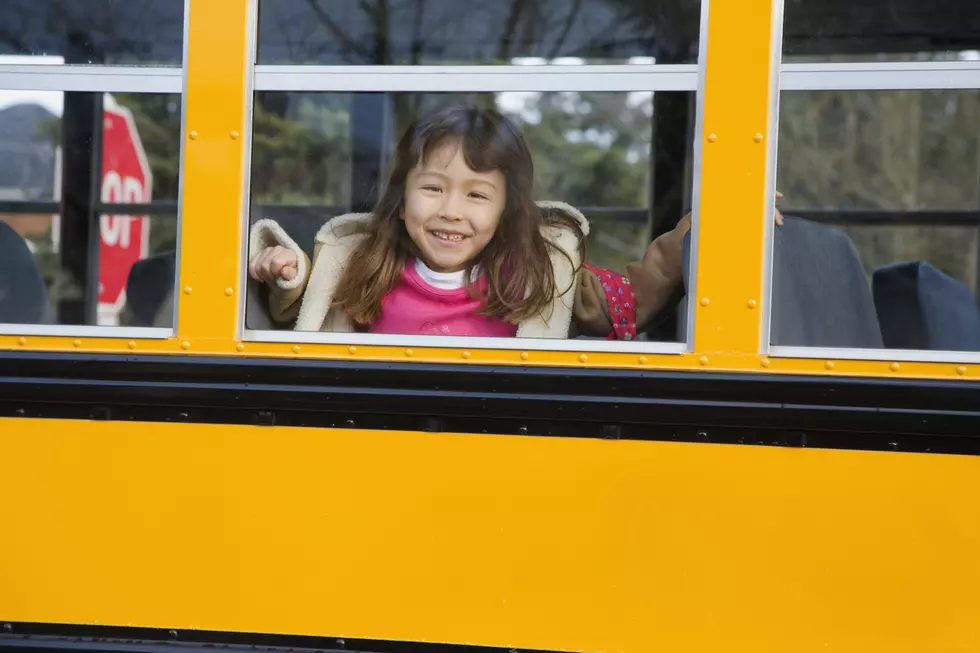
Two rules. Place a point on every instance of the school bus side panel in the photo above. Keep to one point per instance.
(530, 542)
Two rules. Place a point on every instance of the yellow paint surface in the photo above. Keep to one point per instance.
(731, 229)
(214, 174)
(585, 545)
(731, 222)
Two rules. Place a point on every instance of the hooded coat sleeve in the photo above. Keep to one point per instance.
(285, 297)
(656, 280)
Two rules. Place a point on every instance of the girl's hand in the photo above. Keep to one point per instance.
(779, 216)
(272, 264)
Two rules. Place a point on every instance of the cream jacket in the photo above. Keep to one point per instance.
(579, 306)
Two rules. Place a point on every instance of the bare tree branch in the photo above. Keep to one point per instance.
(335, 29)
(517, 8)
(566, 29)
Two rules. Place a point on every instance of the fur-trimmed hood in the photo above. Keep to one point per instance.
(338, 238)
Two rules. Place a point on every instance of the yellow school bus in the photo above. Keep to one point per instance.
(785, 460)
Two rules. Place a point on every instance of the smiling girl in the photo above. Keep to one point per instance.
(456, 245)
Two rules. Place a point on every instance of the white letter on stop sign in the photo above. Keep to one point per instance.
(115, 229)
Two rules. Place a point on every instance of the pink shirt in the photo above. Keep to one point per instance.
(436, 305)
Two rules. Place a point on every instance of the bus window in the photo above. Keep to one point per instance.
(604, 100)
(89, 166)
(880, 30)
(468, 32)
(102, 32)
(879, 165)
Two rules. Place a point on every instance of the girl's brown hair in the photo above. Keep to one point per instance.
(516, 261)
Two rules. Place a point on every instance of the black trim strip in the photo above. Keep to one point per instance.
(883, 218)
(38, 637)
(797, 411)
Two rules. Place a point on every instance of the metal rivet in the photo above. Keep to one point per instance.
(705, 301)
(240, 347)
(703, 360)
(712, 138)
(22, 340)
(894, 367)
(188, 290)
(409, 352)
(296, 349)
(758, 137)
(465, 355)
(185, 345)
(192, 135)
(583, 358)
(77, 343)
(643, 360)
(766, 362)
(961, 370)
(131, 344)
(229, 292)
(352, 349)
(752, 303)
(234, 135)
(830, 365)
(525, 355)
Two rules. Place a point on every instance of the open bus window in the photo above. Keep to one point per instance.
(880, 30)
(93, 229)
(448, 32)
(317, 156)
(110, 32)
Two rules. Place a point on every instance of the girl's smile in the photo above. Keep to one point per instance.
(448, 238)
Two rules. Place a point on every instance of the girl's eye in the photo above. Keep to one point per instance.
(480, 196)
(434, 189)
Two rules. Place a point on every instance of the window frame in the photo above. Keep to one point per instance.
(98, 78)
(641, 77)
(855, 76)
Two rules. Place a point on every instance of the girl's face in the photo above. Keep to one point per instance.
(451, 211)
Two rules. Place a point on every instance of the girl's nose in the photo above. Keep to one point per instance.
(451, 209)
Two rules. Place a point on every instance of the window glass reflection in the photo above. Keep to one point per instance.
(115, 32)
(336, 32)
(881, 30)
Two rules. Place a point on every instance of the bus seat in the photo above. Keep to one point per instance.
(682, 305)
(257, 317)
(23, 293)
(149, 292)
(821, 295)
(921, 307)
(820, 292)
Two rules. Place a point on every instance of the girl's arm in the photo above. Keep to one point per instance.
(281, 265)
(608, 303)
(620, 306)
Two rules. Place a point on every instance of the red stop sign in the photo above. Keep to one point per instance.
(126, 179)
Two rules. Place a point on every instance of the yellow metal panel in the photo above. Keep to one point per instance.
(589, 545)
(211, 227)
(731, 225)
